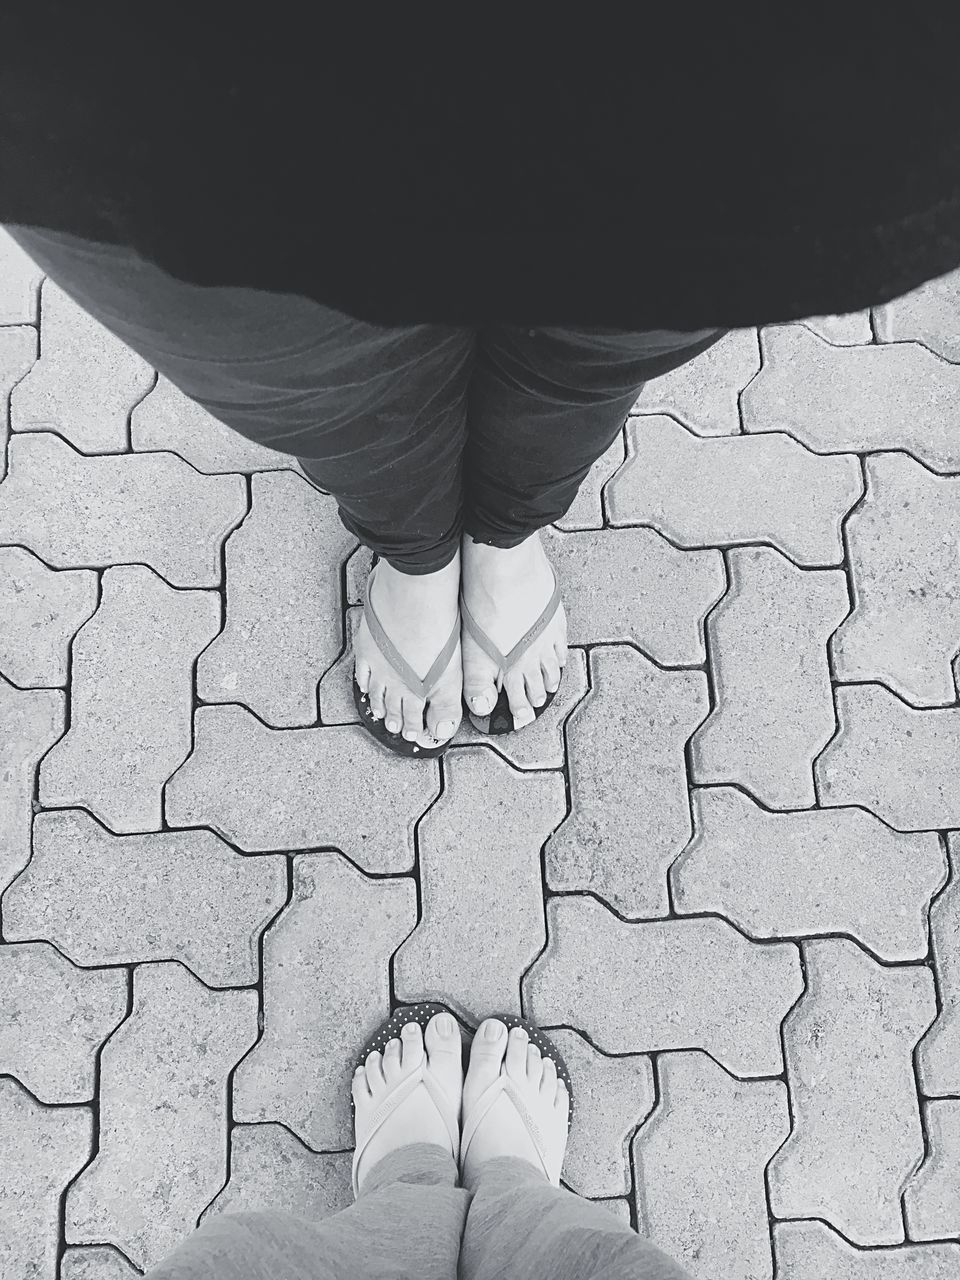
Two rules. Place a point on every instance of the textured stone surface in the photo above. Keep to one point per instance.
(325, 989)
(271, 1169)
(783, 875)
(670, 984)
(53, 1019)
(130, 703)
(769, 659)
(930, 314)
(163, 1115)
(899, 763)
(702, 492)
(42, 610)
(31, 720)
(856, 1121)
(42, 1150)
(267, 789)
(154, 509)
(856, 399)
(18, 351)
(586, 511)
(849, 330)
(95, 1262)
(709, 1214)
(481, 909)
(171, 895)
(905, 555)
(811, 1251)
(20, 279)
(629, 815)
(704, 393)
(932, 1197)
(938, 1060)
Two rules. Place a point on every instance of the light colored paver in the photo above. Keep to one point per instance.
(786, 875)
(930, 314)
(20, 279)
(271, 1169)
(42, 1150)
(171, 895)
(153, 509)
(709, 1211)
(86, 381)
(899, 763)
(703, 492)
(667, 984)
(618, 1206)
(630, 815)
(905, 556)
(283, 625)
(586, 511)
(277, 789)
(768, 653)
(856, 399)
(938, 1060)
(31, 721)
(163, 1115)
(53, 1019)
(18, 351)
(811, 1251)
(704, 393)
(932, 1197)
(631, 585)
(130, 702)
(96, 1262)
(613, 1096)
(849, 330)
(325, 989)
(42, 609)
(856, 1120)
(481, 912)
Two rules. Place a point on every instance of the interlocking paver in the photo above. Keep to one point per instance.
(849, 330)
(326, 988)
(18, 351)
(704, 393)
(171, 895)
(163, 1115)
(630, 815)
(130, 702)
(586, 510)
(897, 762)
(271, 1169)
(856, 399)
(666, 984)
(42, 610)
(20, 279)
(481, 912)
(784, 875)
(31, 721)
(932, 1197)
(701, 491)
(42, 1150)
(96, 1262)
(710, 1214)
(930, 314)
(938, 1060)
(283, 626)
(811, 1251)
(856, 1121)
(769, 657)
(905, 627)
(53, 1019)
(276, 789)
(86, 381)
(149, 508)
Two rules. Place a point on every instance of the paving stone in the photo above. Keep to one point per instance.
(938, 1060)
(42, 1150)
(895, 761)
(95, 1262)
(130, 702)
(357, 571)
(618, 1206)
(326, 987)
(849, 330)
(769, 658)
(271, 1169)
(709, 1213)
(704, 394)
(481, 895)
(171, 895)
(930, 314)
(856, 1121)
(20, 279)
(630, 815)
(53, 1019)
(31, 720)
(283, 626)
(18, 351)
(586, 511)
(905, 627)
(665, 984)
(153, 509)
(811, 1251)
(42, 610)
(856, 399)
(702, 492)
(932, 1197)
(163, 1114)
(613, 1096)
(786, 875)
(277, 789)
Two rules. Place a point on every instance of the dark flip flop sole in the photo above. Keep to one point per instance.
(394, 742)
(500, 719)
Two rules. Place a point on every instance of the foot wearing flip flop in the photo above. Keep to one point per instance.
(506, 591)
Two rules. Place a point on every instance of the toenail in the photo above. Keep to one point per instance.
(446, 728)
(491, 1031)
(409, 734)
(480, 704)
(520, 1033)
(393, 726)
(445, 1024)
(410, 1029)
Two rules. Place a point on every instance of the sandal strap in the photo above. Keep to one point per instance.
(423, 688)
(506, 661)
(446, 1106)
(503, 1084)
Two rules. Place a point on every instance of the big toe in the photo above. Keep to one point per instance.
(444, 1050)
(486, 1055)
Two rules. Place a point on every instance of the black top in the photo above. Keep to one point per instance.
(685, 171)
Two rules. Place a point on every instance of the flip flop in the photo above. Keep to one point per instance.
(395, 742)
(500, 719)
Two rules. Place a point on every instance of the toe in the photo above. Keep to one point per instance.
(377, 708)
(486, 1053)
(443, 720)
(534, 1064)
(517, 697)
(412, 717)
(375, 1077)
(394, 705)
(362, 676)
(560, 649)
(391, 1061)
(533, 682)
(548, 1081)
(411, 1054)
(482, 703)
(516, 1057)
(359, 1086)
(563, 1098)
(550, 671)
(443, 1036)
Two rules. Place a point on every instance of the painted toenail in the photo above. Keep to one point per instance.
(445, 1024)
(491, 1031)
(480, 704)
(446, 728)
